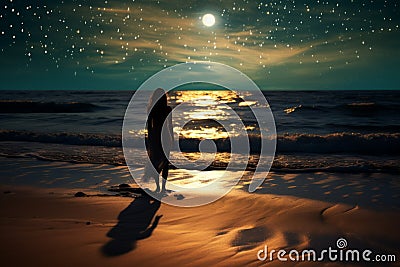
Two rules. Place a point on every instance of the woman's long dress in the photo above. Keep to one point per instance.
(157, 150)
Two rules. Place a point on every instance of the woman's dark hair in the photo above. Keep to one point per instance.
(158, 101)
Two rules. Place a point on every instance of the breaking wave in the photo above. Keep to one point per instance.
(344, 142)
(21, 106)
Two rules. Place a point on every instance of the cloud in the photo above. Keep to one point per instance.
(172, 40)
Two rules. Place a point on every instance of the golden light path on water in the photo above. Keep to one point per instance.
(205, 110)
(206, 105)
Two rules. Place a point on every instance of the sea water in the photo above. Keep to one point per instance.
(337, 131)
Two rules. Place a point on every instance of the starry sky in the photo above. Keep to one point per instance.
(281, 45)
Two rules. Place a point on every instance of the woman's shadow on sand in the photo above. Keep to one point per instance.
(134, 223)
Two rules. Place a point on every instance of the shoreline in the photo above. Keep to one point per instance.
(377, 191)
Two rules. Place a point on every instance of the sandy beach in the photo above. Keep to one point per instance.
(49, 226)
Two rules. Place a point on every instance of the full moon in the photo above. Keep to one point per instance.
(208, 20)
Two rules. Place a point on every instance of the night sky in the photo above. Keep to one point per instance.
(286, 45)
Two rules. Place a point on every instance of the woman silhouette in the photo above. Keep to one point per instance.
(159, 142)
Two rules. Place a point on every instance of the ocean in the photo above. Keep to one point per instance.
(324, 131)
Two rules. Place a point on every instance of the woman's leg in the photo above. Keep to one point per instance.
(157, 180)
(164, 176)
